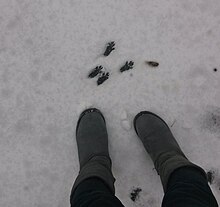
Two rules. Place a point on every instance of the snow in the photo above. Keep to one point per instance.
(47, 49)
(125, 122)
(83, 106)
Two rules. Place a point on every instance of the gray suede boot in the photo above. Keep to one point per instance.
(161, 145)
(92, 142)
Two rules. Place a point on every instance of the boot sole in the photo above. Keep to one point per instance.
(90, 110)
(143, 113)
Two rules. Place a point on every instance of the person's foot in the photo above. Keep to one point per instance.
(91, 135)
(92, 142)
(155, 134)
(161, 145)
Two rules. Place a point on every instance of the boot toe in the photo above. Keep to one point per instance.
(89, 117)
(147, 122)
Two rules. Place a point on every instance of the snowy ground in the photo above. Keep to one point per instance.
(47, 48)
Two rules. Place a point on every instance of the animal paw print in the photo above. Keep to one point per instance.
(104, 76)
(95, 71)
(127, 66)
(110, 47)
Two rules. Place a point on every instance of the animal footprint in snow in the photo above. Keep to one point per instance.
(104, 76)
(95, 71)
(127, 66)
(110, 47)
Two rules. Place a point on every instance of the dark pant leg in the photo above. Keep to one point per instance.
(188, 187)
(94, 193)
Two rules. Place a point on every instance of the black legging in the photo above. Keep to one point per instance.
(187, 187)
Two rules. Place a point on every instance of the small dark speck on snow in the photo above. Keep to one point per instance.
(134, 195)
(152, 63)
